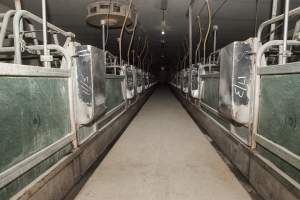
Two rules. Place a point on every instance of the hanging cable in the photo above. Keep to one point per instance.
(145, 56)
(208, 30)
(142, 52)
(131, 40)
(200, 40)
(107, 24)
(122, 31)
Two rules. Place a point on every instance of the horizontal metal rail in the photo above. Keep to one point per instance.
(58, 48)
(216, 75)
(291, 68)
(16, 70)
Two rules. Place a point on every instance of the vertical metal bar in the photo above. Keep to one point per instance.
(18, 55)
(215, 42)
(103, 34)
(274, 13)
(133, 61)
(103, 40)
(190, 47)
(285, 30)
(35, 40)
(18, 4)
(45, 42)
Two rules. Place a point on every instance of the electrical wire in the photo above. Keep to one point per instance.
(122, 31)
(200, 40)
(146, 54)
(131, 40)
(208, 29)
(142, 52)
(107, 24)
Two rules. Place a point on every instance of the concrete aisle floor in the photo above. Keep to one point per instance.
(163, 155)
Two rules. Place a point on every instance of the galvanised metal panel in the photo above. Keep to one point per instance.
(279, 110)
(90, 84)
(236, 64)
(34, 115)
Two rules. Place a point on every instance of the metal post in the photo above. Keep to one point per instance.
(190, 36)
(103, 39)
(46, 58)
(215, 41)
(274, 14)
(18, 4)
(285, 30)
(190, 47)
(103, 34)
(133, 51)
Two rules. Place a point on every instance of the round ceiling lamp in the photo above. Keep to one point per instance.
(112, 12)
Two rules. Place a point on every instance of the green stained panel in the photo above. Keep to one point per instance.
(114, 96)
(279, 115)
(281, 164)
(16, 185)
(211, 92)
(34, 114)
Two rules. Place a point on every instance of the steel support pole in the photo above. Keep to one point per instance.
(215, 41)
(285, 31)
(103, 40)
(190, 46)
(274, 14)
(46, 57)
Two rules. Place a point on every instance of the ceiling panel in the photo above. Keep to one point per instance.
(235, 18)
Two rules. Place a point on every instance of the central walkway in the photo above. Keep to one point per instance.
(163, 156)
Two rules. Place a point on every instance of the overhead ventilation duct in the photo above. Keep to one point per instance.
(112, 12)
